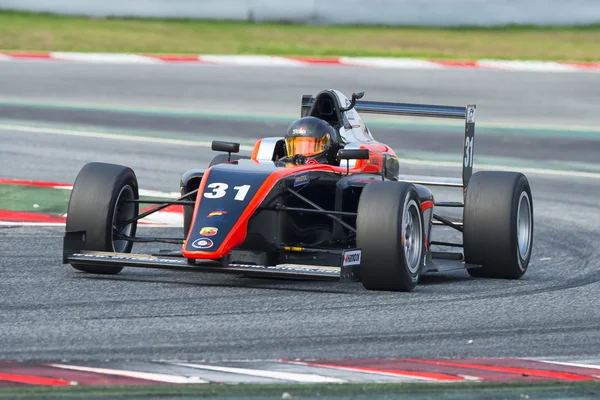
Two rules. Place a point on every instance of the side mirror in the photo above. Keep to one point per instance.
(227, 147)
(353, 154)
(355, 96)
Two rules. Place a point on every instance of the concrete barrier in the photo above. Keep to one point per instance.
(387, 12)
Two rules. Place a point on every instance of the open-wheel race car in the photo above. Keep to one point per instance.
(281, 213)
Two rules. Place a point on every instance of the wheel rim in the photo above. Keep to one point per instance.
(412, 236)
(123, 211)
(524, 225)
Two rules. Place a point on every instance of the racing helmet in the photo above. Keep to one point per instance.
(313, 139)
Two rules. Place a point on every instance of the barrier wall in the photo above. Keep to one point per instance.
(388, 12)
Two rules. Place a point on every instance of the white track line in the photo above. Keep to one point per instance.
(113, 136)
(207, 144)
(572, 364)
(135, 374)
(143, 192)
(252, 61)
(62, 225)
(362, 371)
(406, 376)
(532, 66)
(156, 193)
(401, 63)
(111, 58)
(541, 171)
(12, 223)
(286, 376)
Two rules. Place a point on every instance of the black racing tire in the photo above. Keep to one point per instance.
(498, 224)
(188, 212)
(384, 210)
(94, 206)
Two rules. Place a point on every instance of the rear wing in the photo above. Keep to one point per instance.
(420, 110)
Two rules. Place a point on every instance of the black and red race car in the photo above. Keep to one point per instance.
(358, 220)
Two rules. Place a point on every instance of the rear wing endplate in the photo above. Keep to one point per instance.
(422, 110)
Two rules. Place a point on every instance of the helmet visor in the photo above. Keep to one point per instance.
(307, 146)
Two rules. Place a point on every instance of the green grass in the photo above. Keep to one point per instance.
(44, 200)
(26, 198)
(21, 31)
(413, 391)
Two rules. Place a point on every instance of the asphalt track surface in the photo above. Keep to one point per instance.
(50, 311)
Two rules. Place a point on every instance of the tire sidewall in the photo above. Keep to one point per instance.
(127, 179)
(521, 188)
(411, 199)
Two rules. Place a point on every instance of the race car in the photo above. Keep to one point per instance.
(350, 217)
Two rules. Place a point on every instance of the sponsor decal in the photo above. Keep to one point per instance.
(217, 213)
(209, 231)
(301, 271)
(471, 114)
(364, 129)
(351, 257)
(299, 131)
(203, 243)
(301, 179)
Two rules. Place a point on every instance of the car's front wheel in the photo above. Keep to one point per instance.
(390, 234)
(101, 204)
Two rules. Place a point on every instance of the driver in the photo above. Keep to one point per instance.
(311, 140)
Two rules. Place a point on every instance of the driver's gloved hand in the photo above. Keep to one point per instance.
(296, 159)
(300, 159)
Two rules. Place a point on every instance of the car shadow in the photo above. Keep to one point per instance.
(274, 284)
(268, 283)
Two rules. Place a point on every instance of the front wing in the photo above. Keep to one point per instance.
(167, 261)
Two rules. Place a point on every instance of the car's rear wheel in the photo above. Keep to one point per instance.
(498, 224)
(390, 234)
(101, 204)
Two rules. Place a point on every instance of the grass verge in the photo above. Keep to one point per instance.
(44, 200)
(34, 199)
(498, 390)
(23, 31)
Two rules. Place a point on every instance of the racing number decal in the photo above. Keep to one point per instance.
(242, 191)
(220, 190)
(468, 152)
